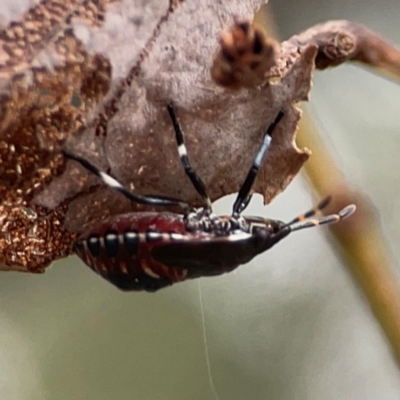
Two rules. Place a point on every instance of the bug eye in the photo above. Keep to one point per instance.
(273, 228)
(260, 232)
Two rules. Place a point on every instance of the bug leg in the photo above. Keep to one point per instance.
(245, 203)
(301, 223)
(190, 172)
(114, 184)
(242, 198)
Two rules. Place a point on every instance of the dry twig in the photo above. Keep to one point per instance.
(360, 238)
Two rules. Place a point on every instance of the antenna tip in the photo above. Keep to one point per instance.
(347, 211)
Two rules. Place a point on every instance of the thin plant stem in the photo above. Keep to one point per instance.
(359, 239)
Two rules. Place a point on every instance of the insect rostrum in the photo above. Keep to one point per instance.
(151, 250)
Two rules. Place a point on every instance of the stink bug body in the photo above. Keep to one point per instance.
(151, 250)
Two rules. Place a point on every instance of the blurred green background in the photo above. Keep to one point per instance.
(290, 325)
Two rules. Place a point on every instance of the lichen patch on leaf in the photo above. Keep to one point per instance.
(48, 84)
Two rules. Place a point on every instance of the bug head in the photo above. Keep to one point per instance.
(267, 232)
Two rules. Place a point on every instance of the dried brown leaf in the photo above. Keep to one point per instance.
(96, 76)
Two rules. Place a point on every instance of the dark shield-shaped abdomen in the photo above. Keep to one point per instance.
(120, 250)
(203, 257)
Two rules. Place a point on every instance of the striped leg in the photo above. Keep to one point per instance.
(190, 172)
(242, 198)
(114, 184)
(245, 203)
